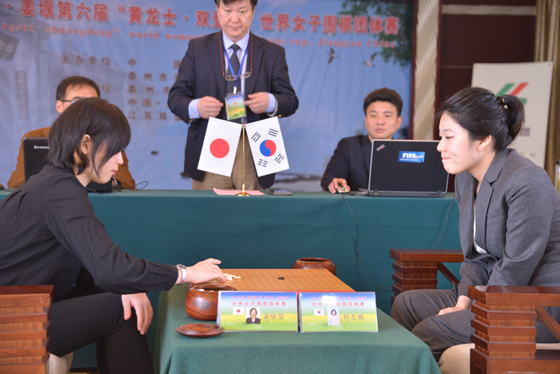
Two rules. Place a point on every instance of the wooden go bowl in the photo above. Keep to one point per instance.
(203, 305)
(315, 263)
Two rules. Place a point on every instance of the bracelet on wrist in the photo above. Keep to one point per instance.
(183, 273)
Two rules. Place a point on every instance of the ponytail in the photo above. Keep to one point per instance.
(483, 114)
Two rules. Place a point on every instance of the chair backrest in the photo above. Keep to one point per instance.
(23, 328)
(505, 329)
(417, 269)
(504, 339)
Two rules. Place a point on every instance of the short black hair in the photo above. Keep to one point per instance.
(74, 81)
(484, 114)
(106, 125)
(227, 2)
(384, 94)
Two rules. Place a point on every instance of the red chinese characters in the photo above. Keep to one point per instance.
(266, 22)
(27, 8)
(345, 24)
(100, 13)
(216, 20)
(46, 8)
(64, 10)
(375, 25)
(298, 23)
(135, 15)
(314, 22)
(169, 16)
(360, 24)
(329, 24)
(202, 18)
(83, 11)
(153, 17)
(283, 22)
(391, 26)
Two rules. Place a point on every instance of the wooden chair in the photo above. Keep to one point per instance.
(23, 331)
(504, 339)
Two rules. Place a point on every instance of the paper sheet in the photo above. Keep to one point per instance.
(235, 192)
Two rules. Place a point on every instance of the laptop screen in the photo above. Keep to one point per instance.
(407, 168)
(35, 157)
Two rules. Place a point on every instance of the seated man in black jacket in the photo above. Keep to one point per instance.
(349, 166)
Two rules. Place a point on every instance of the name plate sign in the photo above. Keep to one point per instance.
(337, 312)
(257, 311)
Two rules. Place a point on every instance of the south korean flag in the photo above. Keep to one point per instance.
(267, 146)
(319, 312)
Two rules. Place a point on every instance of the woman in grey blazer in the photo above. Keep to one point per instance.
(509, 218)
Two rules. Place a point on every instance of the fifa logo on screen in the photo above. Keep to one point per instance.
(416, 157)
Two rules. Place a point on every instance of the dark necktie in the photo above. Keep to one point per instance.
(235, 65)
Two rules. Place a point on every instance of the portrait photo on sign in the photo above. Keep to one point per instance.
(254, 316)
(333, 317)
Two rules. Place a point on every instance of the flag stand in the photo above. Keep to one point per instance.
(243, 193)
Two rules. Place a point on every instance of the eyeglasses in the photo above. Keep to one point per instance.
(229, 77)
(77, 98)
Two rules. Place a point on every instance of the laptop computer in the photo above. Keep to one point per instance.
(35, 157)
(407, 168)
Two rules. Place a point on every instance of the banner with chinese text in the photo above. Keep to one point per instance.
(337, 52)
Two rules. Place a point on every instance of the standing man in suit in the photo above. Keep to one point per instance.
(201, 88)
(349, 166)
(69, 91)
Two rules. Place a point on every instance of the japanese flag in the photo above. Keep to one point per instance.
(239, 310)
(267, 146)
(319, 312)
(219, 147)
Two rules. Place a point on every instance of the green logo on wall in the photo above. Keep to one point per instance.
(515, 91)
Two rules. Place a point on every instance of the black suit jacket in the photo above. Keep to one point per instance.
(351, 161)
(201, 74)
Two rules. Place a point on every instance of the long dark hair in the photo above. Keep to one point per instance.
(482, 113)
(106, 125)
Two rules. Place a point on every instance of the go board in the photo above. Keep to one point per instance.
(301, 280)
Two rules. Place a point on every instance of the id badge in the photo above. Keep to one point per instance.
(235, 106)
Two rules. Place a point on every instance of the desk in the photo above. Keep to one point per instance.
(392, 350)
(273, 231)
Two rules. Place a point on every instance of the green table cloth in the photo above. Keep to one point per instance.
(391, 350)
(179, 226)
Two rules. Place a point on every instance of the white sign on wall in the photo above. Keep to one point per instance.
(531, 83)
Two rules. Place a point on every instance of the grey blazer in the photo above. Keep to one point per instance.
(517, 223)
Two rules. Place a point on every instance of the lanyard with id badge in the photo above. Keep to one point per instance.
(235, 106)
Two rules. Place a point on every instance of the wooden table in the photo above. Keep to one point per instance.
(301, 280)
